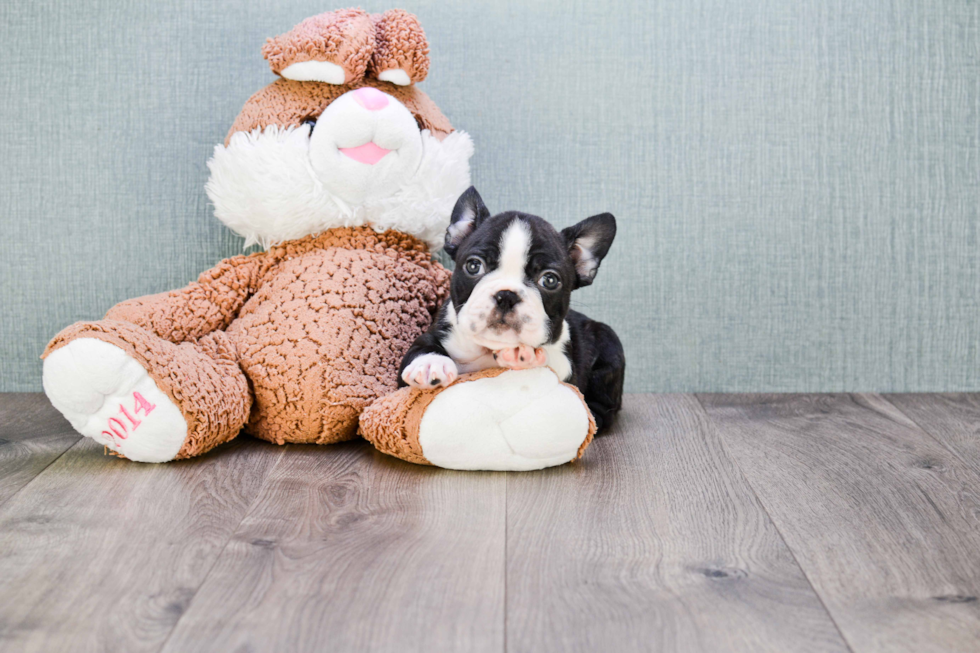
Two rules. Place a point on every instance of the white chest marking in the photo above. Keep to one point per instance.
(468, 356)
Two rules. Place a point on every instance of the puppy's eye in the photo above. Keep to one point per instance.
(474, 266)
(549, 281)
(311, 122)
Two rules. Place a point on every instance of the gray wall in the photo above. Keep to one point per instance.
(797, 181)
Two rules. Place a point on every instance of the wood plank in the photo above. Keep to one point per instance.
(953, 419)
(32, 435)
(884, 521)
(653, 542)
(351, 550)
(100, 553)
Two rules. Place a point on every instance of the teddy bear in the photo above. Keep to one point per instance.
(344, 173)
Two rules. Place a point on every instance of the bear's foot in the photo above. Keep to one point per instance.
(491, 420)
(107, 395)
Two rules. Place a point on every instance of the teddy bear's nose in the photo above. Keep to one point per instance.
(371, 98)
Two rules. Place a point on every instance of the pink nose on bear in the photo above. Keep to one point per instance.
(371, 98)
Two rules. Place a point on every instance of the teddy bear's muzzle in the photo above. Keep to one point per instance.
(365, 146)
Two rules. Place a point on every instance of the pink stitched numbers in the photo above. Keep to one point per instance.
(118, 429)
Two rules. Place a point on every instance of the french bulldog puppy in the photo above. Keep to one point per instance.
(509, 305)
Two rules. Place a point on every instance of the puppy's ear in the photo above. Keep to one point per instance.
(588, 242)
(468, 213)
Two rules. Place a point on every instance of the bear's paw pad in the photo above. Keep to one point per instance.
(518, 420)
(107, 395)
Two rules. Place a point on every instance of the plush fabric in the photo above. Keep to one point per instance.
(202, 379)
(495, 419)
(399, 45)
(106, 394)
(263, 188)
(344, 38)
(391, 423)
(297, 339)
(390, 46)
(288, 103)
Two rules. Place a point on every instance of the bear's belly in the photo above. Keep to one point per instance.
(324, 336)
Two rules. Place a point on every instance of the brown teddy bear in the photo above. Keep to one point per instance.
(346, 174)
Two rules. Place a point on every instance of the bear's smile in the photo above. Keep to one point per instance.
(369, 153)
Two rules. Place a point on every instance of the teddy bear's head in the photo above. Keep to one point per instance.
(343, 138)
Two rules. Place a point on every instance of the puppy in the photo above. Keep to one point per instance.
(509, 305)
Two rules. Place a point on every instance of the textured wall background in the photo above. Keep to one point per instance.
(797, 181)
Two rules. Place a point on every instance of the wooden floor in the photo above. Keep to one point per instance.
(702, 523)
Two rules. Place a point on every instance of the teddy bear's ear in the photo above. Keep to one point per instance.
(401, 52)
(334, 47)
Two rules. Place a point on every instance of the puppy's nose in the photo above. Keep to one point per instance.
(506, 300)
(371, 98)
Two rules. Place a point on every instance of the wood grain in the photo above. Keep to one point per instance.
(103, 554)
(953, 419)
(653, 542)
(754, 527)
(884, 521)
(351, 550)
(32, 435)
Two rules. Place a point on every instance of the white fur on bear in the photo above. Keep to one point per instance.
(265, 187)
(314, 71)
(516, 421)
(395, 76)
(104, 394)
(345, 123)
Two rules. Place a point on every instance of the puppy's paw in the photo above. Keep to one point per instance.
(430, 371)
(522, 357)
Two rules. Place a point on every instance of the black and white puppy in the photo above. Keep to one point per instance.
(509, 305)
